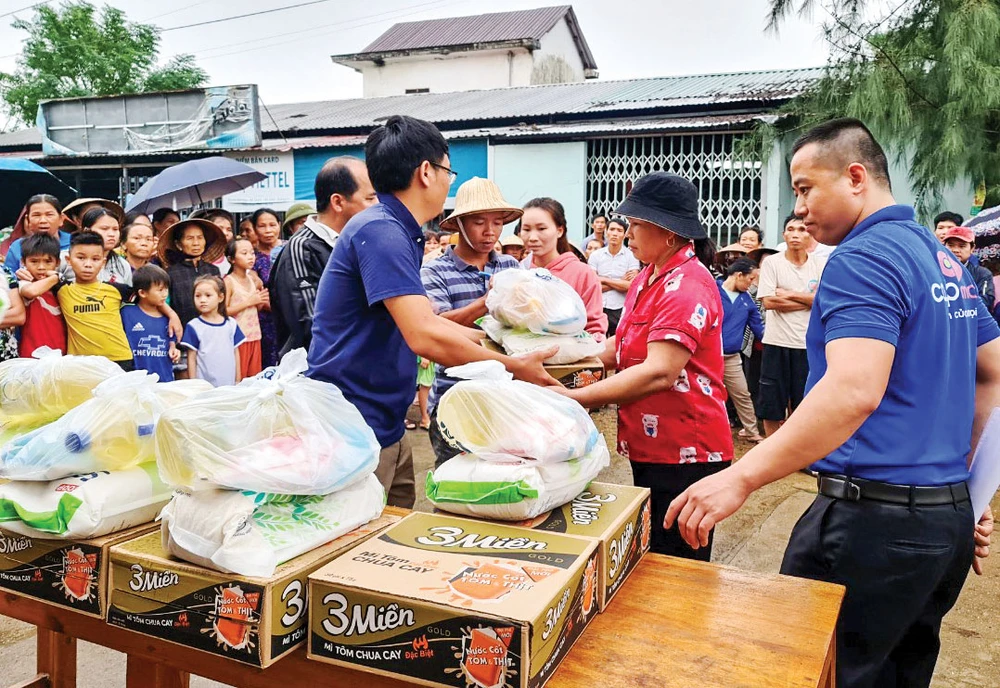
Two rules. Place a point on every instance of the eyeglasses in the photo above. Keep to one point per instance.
(452, 174)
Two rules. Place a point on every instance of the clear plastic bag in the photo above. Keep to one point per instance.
(513, 490)
(282, 433)
(113, 430)
(536, 300)
(496, 418)
(35, 391)
(572, 347)
(251, 534)
(83, 506)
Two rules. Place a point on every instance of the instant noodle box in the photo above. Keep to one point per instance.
(65, 573)
(251, 620)
(447, 601)
(616, 516)
(570, 375)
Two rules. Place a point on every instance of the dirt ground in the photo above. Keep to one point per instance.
(753, 539)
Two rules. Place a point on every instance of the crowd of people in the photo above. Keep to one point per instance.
(384, 290)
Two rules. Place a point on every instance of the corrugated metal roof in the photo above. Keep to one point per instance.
(456, 33)
(482, 28)
(528, 102)
(602, 99)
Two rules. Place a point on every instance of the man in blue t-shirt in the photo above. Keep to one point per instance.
(372, 317)
(904, 370)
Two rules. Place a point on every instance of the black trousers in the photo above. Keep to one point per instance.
(442, 450)
(903, 568)
(614, 317)
(666, 481)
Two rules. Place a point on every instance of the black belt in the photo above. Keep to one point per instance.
(856, 489)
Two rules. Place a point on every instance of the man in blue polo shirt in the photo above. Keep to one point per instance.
(457, 282)
(904, 372)
(372, 317)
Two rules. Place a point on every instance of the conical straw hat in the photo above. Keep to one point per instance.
(476, 196)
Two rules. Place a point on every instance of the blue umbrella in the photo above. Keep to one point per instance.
(193, 183)
(986, 225)
(20, 179)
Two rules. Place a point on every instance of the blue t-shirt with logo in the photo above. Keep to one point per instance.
(356, 344)
(891, 280)
(149, 341)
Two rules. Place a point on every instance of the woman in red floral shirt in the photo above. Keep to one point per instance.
(672, 422)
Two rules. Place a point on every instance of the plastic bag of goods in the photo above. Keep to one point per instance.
(286, 434)
(536, 300)
(35, 391)
(251, 534)
(83, 506)
(111, 431)
(499, 417)
(513, 490)
(572, 347)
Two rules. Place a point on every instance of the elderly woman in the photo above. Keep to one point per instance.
(672, 422)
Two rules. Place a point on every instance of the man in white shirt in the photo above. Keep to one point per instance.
(616, 267)
(342, 191)
(788, 282)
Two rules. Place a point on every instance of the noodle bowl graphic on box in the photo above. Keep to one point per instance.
(234, 621)
(78, 580)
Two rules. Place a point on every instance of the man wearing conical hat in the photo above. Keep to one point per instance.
(457, 282)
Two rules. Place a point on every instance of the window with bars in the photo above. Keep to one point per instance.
(729, 188)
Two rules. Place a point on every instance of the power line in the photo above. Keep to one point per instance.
(243, 16)
(29, 7)
(179, 9)
(325, 30)
(299, 32)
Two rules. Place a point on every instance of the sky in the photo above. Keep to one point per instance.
(287, 53)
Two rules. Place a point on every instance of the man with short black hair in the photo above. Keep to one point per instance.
(904, 373)
(342, 191)
(372, 316)
(945, 221)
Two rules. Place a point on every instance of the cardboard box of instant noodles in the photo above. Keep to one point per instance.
(252, 620)
(447, 601)
(66, 573)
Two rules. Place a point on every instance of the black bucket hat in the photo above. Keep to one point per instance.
(666, 200)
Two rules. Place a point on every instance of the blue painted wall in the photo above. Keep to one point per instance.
(468, 158)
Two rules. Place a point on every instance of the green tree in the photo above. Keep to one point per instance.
(72, 51)
(923, 74)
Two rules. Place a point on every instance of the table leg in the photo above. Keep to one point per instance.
(829, 679)
(56, 658)
(144, 674)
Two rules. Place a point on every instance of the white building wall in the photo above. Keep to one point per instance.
(448, 73)
(558, 60)
(557, 170)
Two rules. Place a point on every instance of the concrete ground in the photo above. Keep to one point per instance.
(753, 539)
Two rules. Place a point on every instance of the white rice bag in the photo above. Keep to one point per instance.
(35, 391)
(499, 418)
(536, 300)
(251, 534)
(83, 506)
(514, 490)
(572, 347)
(285, 434)
(111, 431)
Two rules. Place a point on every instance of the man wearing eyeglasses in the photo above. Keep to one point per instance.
(372, 316)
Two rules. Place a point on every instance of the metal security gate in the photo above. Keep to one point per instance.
(730, 189)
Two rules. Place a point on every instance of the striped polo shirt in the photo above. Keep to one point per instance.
(452, 283)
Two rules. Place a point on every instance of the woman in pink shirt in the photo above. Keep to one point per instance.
(543, 229)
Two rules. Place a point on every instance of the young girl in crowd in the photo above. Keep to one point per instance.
(212, 339)
(244, 295)
(267, 228)
(543, 229)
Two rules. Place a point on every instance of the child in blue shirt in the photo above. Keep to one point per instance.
(146, 328)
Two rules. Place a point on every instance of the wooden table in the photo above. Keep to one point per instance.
(674, 623)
